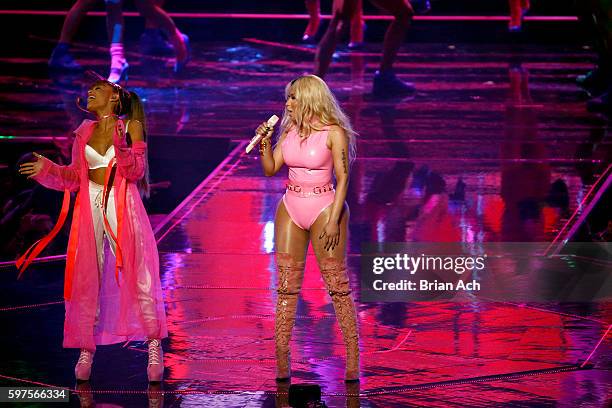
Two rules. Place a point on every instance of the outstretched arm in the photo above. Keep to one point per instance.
(52, 175)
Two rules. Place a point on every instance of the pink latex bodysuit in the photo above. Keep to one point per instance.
(310, 189)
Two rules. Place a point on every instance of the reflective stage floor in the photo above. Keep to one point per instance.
(478, 154)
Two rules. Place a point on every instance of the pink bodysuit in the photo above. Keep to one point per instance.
(310, 189)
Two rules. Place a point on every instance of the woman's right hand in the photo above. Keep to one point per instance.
(265, 131)
(32, 169)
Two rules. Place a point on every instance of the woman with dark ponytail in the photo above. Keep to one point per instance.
(112, 287)
(136, 112)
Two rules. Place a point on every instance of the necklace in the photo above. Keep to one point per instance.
(106, 116)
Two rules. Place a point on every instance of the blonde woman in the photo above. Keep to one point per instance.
(316, 141)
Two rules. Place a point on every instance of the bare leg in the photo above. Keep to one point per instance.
(386, 84)
(314, 11)
(291, 245)
(332, 264)
(73, 19)
(515, 15)
(342, 12)
(152, 40)
(318, 245)
(525, 5)
(152, 24)
(61, 58)
(357, 23)
(394, 37)
(115, 26)
(115, 22)
(149, 10)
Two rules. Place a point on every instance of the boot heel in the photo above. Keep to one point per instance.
(119, 75)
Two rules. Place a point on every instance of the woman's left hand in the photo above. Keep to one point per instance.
(331, 234)
(119, 133)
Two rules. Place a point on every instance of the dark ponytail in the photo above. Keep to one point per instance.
(136, 110)
(131, 106)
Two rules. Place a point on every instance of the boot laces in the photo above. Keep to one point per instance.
(154, 352)
(85, 357)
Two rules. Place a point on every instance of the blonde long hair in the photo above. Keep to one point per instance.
(316, 104)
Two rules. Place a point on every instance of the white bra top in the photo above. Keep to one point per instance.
(96, 160)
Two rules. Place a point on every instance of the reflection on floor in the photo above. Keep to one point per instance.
(494, 146)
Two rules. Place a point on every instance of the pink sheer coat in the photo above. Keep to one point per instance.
(100, 308)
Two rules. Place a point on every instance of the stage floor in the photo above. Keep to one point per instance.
(503, 121)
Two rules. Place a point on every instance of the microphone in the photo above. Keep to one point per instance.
(79, 102)
(257, 138)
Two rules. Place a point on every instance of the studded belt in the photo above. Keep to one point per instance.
(304, 191)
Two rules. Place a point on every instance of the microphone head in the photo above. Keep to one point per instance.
(272, 121)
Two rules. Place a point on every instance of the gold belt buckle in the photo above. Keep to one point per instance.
(315, 190)
(296, 189)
